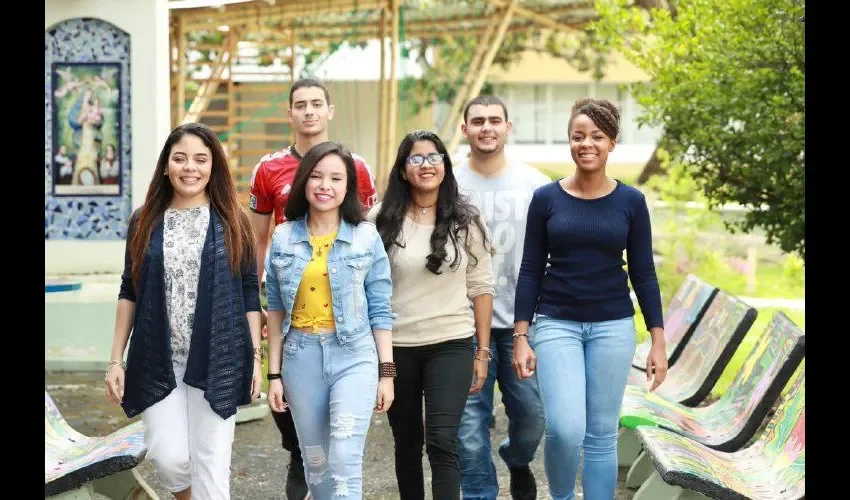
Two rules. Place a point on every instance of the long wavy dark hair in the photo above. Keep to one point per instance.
(238, 232)
(454, 211)
(351, 210)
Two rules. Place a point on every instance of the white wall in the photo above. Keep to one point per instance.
(147, 23)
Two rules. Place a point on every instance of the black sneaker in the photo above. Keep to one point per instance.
(523, 485)
(296, 486)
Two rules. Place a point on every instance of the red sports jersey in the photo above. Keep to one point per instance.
(273, 176)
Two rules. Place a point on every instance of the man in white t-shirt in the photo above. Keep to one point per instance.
(501, 188)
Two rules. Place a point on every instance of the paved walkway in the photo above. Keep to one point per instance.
(259, 464)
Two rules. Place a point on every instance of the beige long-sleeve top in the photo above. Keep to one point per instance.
(430, 307)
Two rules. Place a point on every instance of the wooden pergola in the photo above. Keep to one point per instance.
(317, 24)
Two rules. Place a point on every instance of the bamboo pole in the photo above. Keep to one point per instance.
(534, 16)
(481, 75)
(292, 46)
(392, 122)
(181, 69)
(458, 24)
(380, 165)
(467, 79)
(285, 13)
(254, 9)
(231, 99)
(208, 87)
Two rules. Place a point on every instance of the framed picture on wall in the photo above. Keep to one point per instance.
(86, 129)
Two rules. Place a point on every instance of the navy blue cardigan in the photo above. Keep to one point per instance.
(220, 360)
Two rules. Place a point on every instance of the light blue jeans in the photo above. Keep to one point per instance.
(331, 391)
(525, 422)
(581, 371)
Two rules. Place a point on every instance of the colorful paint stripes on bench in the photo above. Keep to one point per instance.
(72, 459)
(772, 468)
(681, 318)
(705, 356)
(729, 423)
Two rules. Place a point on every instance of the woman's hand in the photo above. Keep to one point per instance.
(525, 361)
(115, 384)
(386, 394)
(656, 363)
(275, 396)
(257, 379)
(479, 370)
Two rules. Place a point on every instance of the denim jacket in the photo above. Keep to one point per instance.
(358, 269)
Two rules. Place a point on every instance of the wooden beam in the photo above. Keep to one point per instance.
(303, 15)
(285, 13)
(208, 88)
(380, 165)
(231, 98)
(467, 79)
(538, 18)
(481, 74)
(259, 104)
(392, 118)
(181, 69)
(262, 8)
(293, 45)
(261, 119)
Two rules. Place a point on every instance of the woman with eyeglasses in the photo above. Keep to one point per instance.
(439, 256)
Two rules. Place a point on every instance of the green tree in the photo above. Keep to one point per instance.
(442, 80)
(727, 85)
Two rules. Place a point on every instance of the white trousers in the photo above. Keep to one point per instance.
(189, 444)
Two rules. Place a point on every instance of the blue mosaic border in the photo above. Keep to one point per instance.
(87, 217)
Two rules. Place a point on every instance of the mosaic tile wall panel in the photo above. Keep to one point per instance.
(87, 85)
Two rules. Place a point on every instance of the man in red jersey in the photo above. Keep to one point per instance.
(309, 112)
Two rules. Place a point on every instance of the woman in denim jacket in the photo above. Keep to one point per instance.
(328, 287)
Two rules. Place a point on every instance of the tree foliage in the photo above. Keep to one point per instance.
(443, 75)
(727, 83)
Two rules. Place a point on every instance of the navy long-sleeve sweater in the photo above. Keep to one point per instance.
(572, 262)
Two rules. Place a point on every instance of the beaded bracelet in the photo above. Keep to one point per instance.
(386, 369)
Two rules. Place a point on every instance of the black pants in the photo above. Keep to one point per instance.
(443, 373)
(287, 431)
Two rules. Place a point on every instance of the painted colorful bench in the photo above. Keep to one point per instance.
(772, 468)
(82, 467)
(683, 314)
(730, 422)
(703, 359)
(716, 338)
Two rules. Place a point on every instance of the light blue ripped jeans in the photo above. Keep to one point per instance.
(331, 391)
(581, 372)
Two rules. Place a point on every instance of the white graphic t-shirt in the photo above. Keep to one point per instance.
(503, 200)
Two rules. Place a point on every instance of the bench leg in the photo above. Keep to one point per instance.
(628, 447)
(655, 488)
(253, 411)
(640, 471)
(125, 485)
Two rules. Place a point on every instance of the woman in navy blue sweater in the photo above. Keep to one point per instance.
(572, 277)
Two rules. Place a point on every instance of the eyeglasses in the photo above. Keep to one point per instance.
(419, 160)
